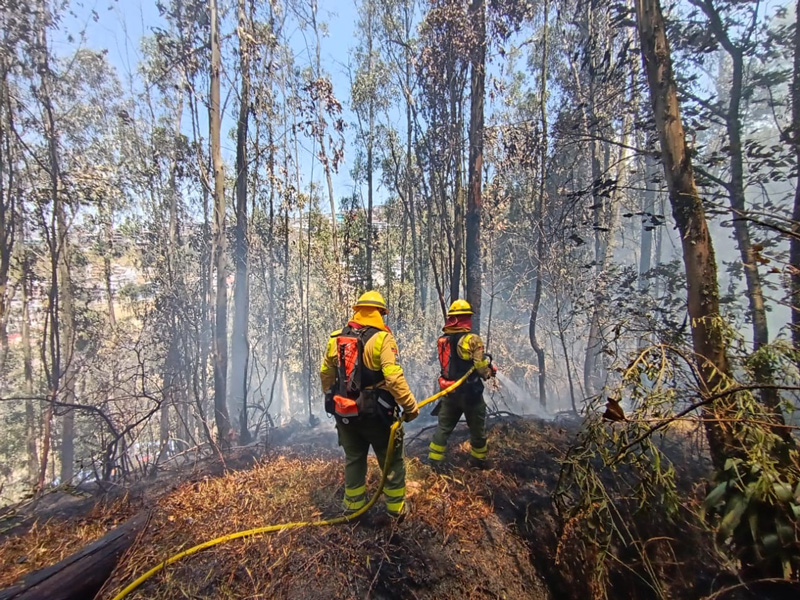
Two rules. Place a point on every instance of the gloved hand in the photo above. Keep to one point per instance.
(410, 415)
(494, 371)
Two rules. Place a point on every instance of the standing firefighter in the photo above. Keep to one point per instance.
(364, 385)
(459, 350)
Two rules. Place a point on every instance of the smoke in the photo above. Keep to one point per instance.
(517, 400)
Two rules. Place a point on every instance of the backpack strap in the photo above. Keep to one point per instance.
(458, 366)
(370, 377)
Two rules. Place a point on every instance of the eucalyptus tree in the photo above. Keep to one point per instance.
(369, 93)
(760, 454)
(443, 69)
(728, 35)
(220, 345)
(794, 255)
(477, 18)
(240, 343)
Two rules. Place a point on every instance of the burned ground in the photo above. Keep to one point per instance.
(471, 533)
(455, 544)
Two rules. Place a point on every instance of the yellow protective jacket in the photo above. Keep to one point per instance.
(471, 348)
(380, 353)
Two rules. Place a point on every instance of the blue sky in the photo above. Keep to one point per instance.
(118, 26)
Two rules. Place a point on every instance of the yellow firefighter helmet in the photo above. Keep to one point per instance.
(459, 307)
(372, 299)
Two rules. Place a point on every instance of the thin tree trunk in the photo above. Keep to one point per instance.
(27, 364)
(370, 143)
(458, 199)
(61, 299)
(7, 207)
(271, 254)
(794, 241)
(170, 378)
(420, 282)
(221, 313)
(541, 212)
(648, 210)
(323, 156)
(563, 340)
(172, 363)
(108, 231)
(477, 12)
(67, 321)
(203, 337)
(307, 319)
(593, 378)
(240, 345)
(736, 197)
(429, 245)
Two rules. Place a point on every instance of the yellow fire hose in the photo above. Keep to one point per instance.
(272, 528)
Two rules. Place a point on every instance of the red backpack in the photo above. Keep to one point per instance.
(444, 348)
(453, 366)
(352, 376)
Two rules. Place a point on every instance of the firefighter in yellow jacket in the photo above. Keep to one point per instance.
(364, 386)
(459, 350)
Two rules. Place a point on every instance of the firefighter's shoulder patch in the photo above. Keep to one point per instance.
(391, 344)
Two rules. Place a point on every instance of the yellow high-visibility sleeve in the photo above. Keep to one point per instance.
(327, 372)
(471, 348)
(380, 352)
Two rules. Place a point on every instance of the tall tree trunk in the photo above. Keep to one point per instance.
(67, 321)
(477, 12)
(240, 345)
(593, 373)
(203, 335)
(7, 206)
(458, 194)
(271, 254)
(370, 140)
(540, 214)
(171, 381)
(736, 197)
(172, 364)
(108, 232)
(307, 320)
(221, 313)
(794, 241)
(323, 155)
(27, 363)
(563, 339)
(648, 210)
(420, 280)
(687, 208)
(61, 302)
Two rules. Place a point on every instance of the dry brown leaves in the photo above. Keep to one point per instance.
(455, 544)
(48, 542)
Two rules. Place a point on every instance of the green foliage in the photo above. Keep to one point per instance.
(750, 513)
(605, 496)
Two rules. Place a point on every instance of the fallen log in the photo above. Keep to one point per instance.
(81, 575)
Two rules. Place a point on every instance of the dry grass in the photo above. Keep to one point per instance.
(452, 546)
(460, 541)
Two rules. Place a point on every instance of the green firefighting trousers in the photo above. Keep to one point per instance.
(355, 439)
(474, 410)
